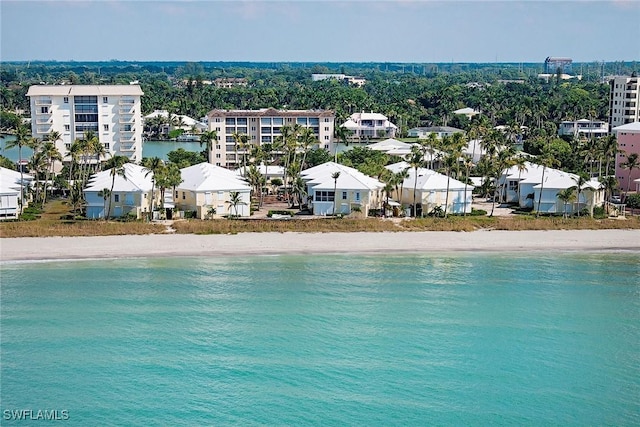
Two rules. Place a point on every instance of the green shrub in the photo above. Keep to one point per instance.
(190, 214)
(277, 212)
(599, 212)
(478, 212)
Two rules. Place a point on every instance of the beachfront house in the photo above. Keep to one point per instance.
(206, 190)
(351, 191)
(131, 193)
(591, 194)
(392, 147)
(10, 192)
(431, 191)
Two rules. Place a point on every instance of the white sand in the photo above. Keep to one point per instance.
(23, 249)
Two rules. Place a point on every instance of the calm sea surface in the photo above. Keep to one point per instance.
(462, 340)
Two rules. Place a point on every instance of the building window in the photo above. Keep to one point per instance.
(326, 128)
(66, 99)
(106, 128)
(217, 146)
(106, 146)
(184, 196)
(324, 196)
(265, 121)
(253, 128)
(105, 100)
(176, 194)
(278, 121)
(217, 119)
(357, 196)
(67, 127)
(326, 137)
(127, 128)
(44, 110)
(116, 198)
(344, 195)
(230, 121)
(218, 156)
(326, 119)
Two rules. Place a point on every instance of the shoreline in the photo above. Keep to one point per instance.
(294, 243)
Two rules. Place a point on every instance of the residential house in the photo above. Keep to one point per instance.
(467, 111)
(392, 147)
(583, 128)
(10, 192)
(353, 191)
(206, 189)
(365, 126)
(112, 112)
(190, 126)
(431, 190)
(628, 137)
(439, 131)
(356, 81)
(591, 194)
(131, 194)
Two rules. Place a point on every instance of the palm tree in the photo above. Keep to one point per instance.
(153, 166)
(580, 180)
(51, 152)
(22, 139)
(208, 138)
(521, 164)
(632, 163)
(239, 140)
(416, 159)
(609, 183)
(105, 193)
(116, 166)
(235, 200)
(335, 177)
(547, 160)
(341, 135)
(568, 195)
(450, 161)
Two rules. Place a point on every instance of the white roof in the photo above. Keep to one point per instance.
(11, 179)
(272, 170)
(466, 110)
(350, 124)
(319, 177)
(368, 116)
(629, 127)
(207, 177)
(389, 144)
(188, 121)
(428, 180)
(138, 180)
(75, 90)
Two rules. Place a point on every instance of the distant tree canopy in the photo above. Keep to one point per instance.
(410, 95)
(184, 158)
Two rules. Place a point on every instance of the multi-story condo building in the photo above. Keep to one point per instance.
(583, 128)
(263, 127)
(628, 137)
(112, 112)
(624, 101)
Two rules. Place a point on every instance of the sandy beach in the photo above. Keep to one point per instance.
(51, 248)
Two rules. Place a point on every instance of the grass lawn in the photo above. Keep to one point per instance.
(49, 223)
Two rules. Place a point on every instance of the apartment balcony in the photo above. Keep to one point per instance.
(127, 147)
(43, 102)
(127, 118)
(630, 105)
(43, 120)
(127, 101)
(44, 113)
(126, 109)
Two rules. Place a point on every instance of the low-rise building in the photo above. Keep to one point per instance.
(131, 193)
(628, 137)
(583, 128)
(352, 191)
(366, 126)
(439, 131)
(207, 190)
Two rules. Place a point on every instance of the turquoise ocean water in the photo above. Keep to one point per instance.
(443, 339)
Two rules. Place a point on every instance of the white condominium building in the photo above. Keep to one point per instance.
(112, 112)
(263, 127)
(624, 101)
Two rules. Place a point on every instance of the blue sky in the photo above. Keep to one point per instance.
(325, 31)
